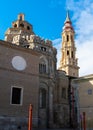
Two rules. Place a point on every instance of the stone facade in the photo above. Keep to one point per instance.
(17, 77)
(61, 108)
(28, 75)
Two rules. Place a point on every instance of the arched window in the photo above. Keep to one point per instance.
(67, 38)
(67, 52)
(43, 65)
(42, 98)
(72, 54)
(28, 28)
(20, 17)
(21, 25)
(42, 68)
(15, 25)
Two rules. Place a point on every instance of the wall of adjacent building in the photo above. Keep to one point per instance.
(84, 89)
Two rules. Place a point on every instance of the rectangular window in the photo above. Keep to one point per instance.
(16, 95)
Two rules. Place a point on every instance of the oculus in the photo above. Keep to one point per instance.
(19, 63)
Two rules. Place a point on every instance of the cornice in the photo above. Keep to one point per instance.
(16, 47)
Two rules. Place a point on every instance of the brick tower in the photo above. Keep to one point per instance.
(68, 61)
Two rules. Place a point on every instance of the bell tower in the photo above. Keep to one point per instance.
(68, 61)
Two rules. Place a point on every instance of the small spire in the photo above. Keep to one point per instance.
(67, 17)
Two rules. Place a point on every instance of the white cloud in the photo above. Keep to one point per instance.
(85, 58)
(83, 24)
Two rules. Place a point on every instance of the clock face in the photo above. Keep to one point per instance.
(19, 63)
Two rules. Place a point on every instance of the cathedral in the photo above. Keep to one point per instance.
(28, 75)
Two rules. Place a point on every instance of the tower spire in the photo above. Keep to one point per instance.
(67, 17)
(68, 23)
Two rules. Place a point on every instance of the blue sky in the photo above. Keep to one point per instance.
(47, 18)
